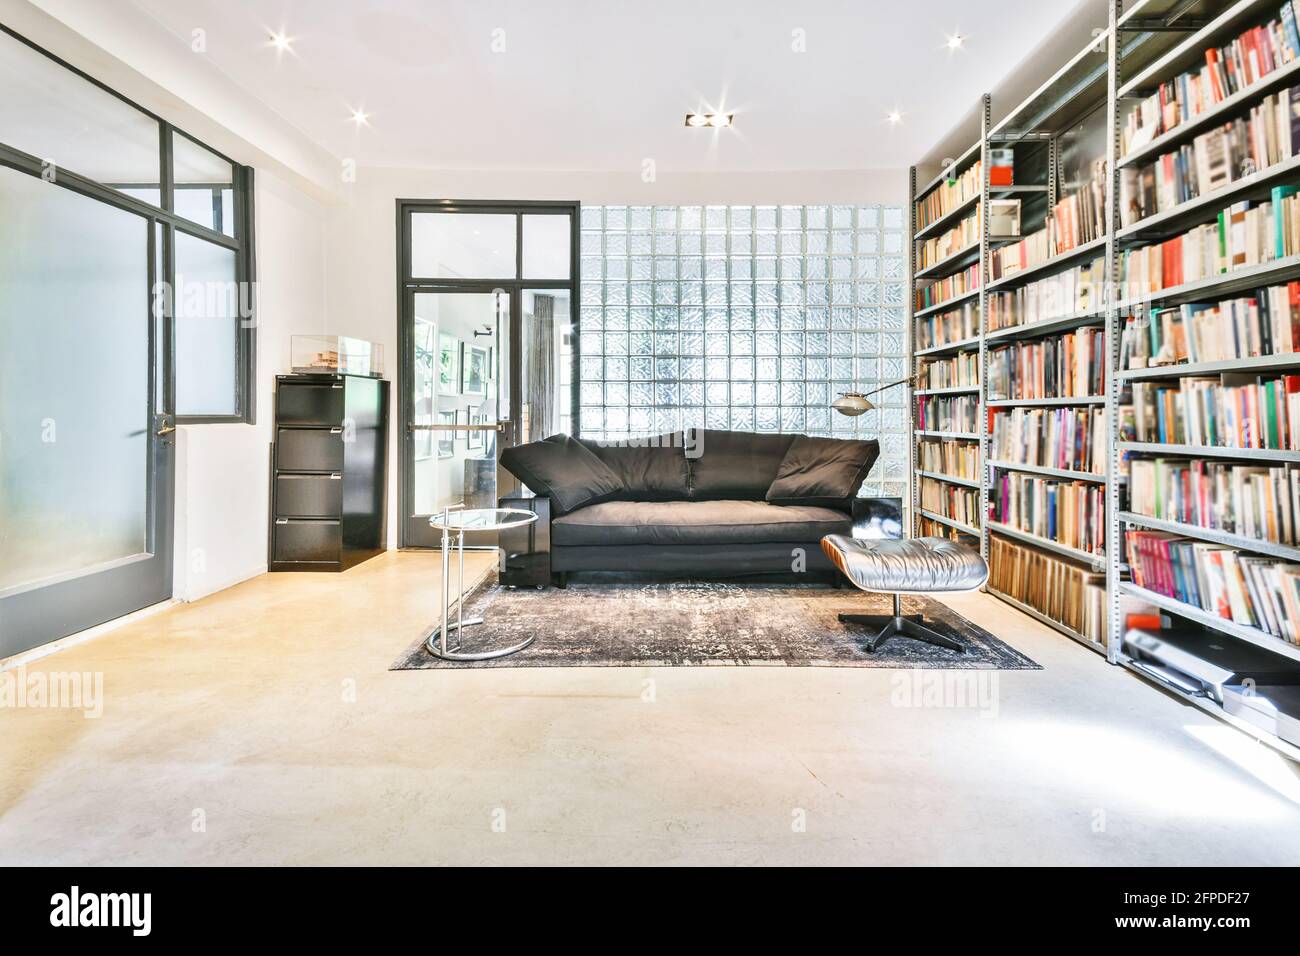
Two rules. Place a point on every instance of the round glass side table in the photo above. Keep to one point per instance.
(454, 523)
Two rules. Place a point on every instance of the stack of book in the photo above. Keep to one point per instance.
(960, 371)
(1032, 250)
(1067, 512)
(1058, 589)
(947, 196)
(962, 236)
(1243, 235)
(1245, 61)
(959, 413)
(1264, 323)
(952, 501)
(956, 459)
(1254, 591)
(1072, 439)
(1074, 290)
(927, 528)
(1061, 366)
(1227, 411)
(959, 283)
(1080, 217)
(942, 328)
(1212, 160)
(1255, 501)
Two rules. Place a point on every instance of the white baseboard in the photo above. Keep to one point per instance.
(220, 584)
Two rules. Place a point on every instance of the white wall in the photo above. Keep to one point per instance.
(223, 471)
(361, 296)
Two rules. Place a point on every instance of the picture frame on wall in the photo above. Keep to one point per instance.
(451, 354)
(474, 441)
(447, 440)
(476, 371)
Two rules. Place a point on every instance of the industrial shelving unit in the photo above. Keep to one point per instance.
(1140, 45)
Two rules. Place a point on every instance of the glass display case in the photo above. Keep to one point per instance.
(337, 354)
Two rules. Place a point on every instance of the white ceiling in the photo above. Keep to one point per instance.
(605, 84)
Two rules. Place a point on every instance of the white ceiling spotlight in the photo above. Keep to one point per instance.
(282, 42)
(954, 41)
(895, 117)
(361, 118)
(714, 120)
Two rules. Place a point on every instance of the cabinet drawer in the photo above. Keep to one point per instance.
(309, 496)
(306, 540)
(309, 449)
(303, 404)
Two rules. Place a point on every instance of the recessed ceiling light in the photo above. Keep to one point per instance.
(716, 120)
(955, 40)
(282, 42)
(895, 117)
(361, 117)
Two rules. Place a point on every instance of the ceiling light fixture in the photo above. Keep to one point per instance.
(955, 41)
(716, 120)
(282, 42)
(895, 117)
(361, 118)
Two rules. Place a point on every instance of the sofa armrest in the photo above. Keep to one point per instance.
(526, 549)
(877, 517)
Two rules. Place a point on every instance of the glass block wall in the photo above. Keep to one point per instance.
(750, 318)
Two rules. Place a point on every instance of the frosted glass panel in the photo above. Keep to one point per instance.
(74, 382)
(205, 191)
(546, 247)
(57, 116)
(207, 328)
(748, 318)
(462, 246)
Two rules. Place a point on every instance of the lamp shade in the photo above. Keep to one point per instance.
(851, 404)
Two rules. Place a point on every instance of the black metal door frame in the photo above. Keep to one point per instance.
(514, 287)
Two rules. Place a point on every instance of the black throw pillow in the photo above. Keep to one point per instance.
(561, 469)
(822, 471)
(649, 469)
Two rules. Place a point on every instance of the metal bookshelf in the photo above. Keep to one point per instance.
(960, 259)
(1140, 44)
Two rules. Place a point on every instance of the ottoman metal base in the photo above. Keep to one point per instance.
(908, 625)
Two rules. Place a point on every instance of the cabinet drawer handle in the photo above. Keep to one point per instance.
(336, 431)
(336, 477)
(281, 520)
(336, 386)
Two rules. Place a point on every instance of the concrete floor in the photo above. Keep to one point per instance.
(261, 726)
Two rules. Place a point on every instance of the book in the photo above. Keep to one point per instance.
(1071, 513)
(1072, 439)
(1070, 364)
(1254, 501)
(1055, 587)
(1230, 583)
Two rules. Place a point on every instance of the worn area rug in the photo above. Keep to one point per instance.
(617, 621)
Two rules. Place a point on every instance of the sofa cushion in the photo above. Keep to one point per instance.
(560, 468)
(653, 469)
(735, 465)
(696, 522)
(822, 471)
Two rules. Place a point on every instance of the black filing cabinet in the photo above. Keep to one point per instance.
(526, 549)
(329, 472)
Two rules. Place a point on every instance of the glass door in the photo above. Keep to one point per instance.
(459, 405)
(86, 461)
(487, 345)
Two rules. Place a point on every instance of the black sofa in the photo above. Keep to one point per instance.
(703, 502)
